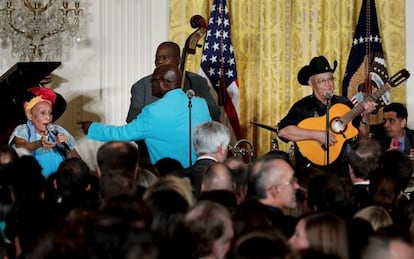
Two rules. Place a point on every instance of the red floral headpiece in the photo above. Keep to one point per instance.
(40, 94)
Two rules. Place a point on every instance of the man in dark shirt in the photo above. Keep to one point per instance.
(319, 75)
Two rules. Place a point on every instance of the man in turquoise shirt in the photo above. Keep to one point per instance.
(164, 124)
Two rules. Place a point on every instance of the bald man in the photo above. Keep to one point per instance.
(164, 124)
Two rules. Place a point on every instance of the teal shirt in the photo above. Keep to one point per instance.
(49, 159)
(163, 125)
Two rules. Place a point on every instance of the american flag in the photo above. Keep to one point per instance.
(218, 63)
(366, 64)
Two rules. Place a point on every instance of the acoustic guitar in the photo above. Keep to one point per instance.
(340, 124)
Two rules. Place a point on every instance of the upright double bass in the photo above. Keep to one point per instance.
(199, 23)
(191, 44)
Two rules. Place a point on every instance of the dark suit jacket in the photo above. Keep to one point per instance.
(285, 223)
(379, 134)
(195, 173)
(360, 196)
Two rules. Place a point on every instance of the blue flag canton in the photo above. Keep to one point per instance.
(218, 58)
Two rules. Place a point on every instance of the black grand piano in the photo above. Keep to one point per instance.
(13, 84)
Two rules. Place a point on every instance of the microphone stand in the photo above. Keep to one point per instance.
(328, 105)
(190, 105)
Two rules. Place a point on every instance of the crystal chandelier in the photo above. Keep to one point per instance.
(38, 29)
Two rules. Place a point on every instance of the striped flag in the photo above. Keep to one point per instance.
(218, 63)
(366, 66)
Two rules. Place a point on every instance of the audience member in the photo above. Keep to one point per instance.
(211, 228)
(390, 183)
(321, 232)
(118, 157)
(397, 135)
(329, 193)
(377, 216)
(6, 203)
(168, 165)
(358, 230)
(117, 169)
(72, 186)
(210, 140)
(171, 237)
(30, 216)
(239, 171)
(69, 238)
(50, 144)
(254, 169)
(398, 163)
(114, 238)
(263, 244)
(363, 162)
(7, 158)
(319, 76)
(217, 176)
(129, 209)
(389, 243)
(276, 188)
(224, 197)
(249, 216)
(141, 94)
(169, 112)
(174, 183)
(145, 178)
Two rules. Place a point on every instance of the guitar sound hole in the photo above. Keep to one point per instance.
(337, 126)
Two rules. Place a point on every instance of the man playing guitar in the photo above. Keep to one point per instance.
(319, 75)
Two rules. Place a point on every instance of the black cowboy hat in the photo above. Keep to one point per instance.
(317, 65)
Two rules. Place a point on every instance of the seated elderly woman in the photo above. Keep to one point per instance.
(50, 144)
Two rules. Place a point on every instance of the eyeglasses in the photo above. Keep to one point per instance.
(292, 181)
(321, 81)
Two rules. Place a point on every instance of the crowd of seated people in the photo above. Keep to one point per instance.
(237, 211)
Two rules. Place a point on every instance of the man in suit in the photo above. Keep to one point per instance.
(363, 162)
(211, 140)
(164, 125)
(168, 53)
(397, 135)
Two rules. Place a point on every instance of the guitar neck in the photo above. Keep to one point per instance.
(359, 108)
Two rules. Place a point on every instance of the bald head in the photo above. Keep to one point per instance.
(165, 77)
(168, 72)
(217, 176)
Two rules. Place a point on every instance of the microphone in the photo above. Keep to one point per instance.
(328, 95)
(53, 129)
(190, 93)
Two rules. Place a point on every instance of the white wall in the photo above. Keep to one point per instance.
(96, 76)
